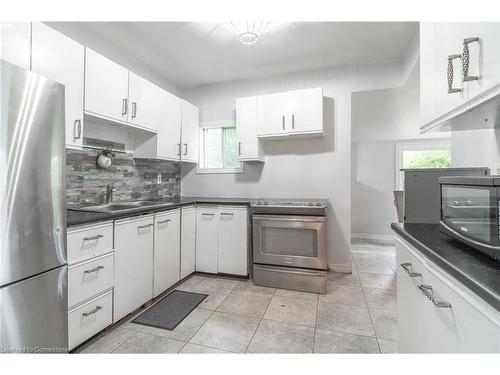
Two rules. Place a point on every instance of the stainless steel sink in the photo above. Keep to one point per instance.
(124, 206)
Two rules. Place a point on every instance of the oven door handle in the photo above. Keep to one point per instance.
(312, 219)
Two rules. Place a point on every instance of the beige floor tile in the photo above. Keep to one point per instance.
(305, 296)
(373, 280)
(348, 279)
(243, 303)
(250, 287)
(385, 323)
(339, 342)
(277, 337)
(293, 308)
(217, 290)
(200, 349)
(132, 326)
(191, 282)
(347, 295)
(227, 332)
(109, 341)
(381, 298)
(344, 318)
(144, 343)
(373, 266)
(387, 346)
(185, 330)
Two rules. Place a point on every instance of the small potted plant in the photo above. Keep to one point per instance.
(104, 158)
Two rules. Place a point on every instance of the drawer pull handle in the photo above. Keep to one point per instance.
(97, 308)
(98, 268)
(96, 237)
(429, 293)
(465, 60)
(407, 268)
(163, 221)
(227, 213)
(144, 226)
(206, 214)
(449, 74)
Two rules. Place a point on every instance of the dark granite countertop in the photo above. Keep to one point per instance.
(473, 269)
(78, 217)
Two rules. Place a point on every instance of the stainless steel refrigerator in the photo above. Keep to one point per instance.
(33, 271)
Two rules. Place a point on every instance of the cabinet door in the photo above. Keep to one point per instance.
(484, 57)
(249, 147)
(448, 39)
(233, 240)
(190, 132)
(133, 264)
(15, 39)
(61, 59)
(272, 114)
(145, 100)
(411, 304)
(169, 126)
(428, 93)
(167, 250)
(106, 87)
(206, 239)
(188, 240)
(306, 111)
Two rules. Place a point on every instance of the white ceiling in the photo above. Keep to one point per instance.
(194, 53)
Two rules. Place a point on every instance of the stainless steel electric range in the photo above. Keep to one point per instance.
(289, 244)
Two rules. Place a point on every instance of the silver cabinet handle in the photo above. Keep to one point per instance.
(207, 214)
(408, 268)
(185, 149)
(227, 213)
(283, 122)
(134, 109)
(449, 73)
(77, 125)
(96, 237)
(163, 221)
(466, 59)
(144, 226)
(98, 268)
(429, 293)
(97, 308)
(179, 149)
(293, 121)
(239, 148)
(124, 106)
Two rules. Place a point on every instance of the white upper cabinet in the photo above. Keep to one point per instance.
(169, 126)
(292, 113)
(459, 69)
(190, 132)
(61, 59)
(145, 102)
(249, 146)
(15, 39)
(106, 87)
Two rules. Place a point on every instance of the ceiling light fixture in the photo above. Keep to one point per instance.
(248, 33)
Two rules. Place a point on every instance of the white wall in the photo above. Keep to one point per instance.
(476, 148)
(314, 168)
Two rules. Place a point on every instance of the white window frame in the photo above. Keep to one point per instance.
(201, 153)
(424, 144)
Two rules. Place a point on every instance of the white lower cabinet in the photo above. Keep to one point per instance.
(206, 238)
(466, 325)
(188, 240)
(134, 239)
(233, 241)
(89, 318)
(167, 250)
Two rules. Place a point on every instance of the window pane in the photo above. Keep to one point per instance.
(427, 159)
(213, 148)
(230, 148)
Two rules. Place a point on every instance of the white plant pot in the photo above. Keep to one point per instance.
(103, 161)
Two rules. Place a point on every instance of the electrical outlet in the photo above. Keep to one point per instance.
(158, 179)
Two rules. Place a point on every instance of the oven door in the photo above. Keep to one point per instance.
(293, 241)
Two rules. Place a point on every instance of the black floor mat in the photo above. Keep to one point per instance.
(171, 310)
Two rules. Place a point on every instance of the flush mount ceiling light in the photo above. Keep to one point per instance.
(248, 33)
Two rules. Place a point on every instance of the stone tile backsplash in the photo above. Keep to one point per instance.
(132, 178)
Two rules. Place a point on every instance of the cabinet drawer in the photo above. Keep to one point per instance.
(90, 318)
(89, 241)
(90, 278)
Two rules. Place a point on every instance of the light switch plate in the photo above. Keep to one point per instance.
(158, 179)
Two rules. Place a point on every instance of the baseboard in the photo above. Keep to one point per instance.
(342, 268)
(378, 238)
